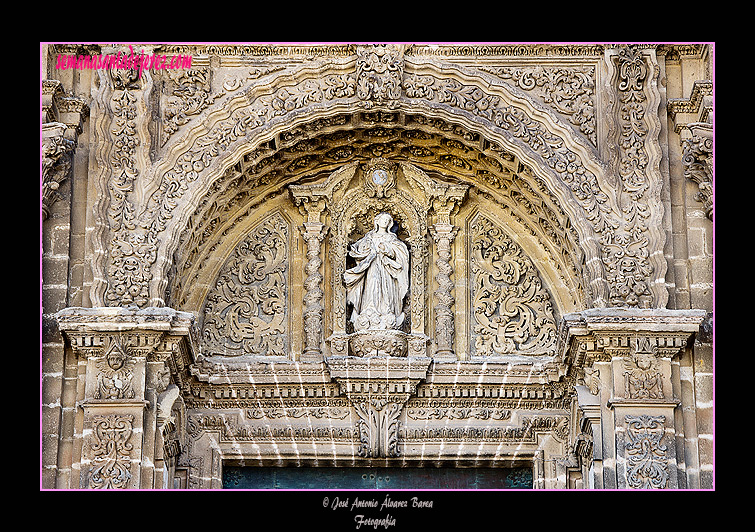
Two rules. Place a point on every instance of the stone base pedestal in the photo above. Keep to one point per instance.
(378, 343)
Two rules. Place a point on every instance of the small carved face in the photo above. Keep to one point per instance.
(116, 359)
(383, 220)
(644, 361)
(130, 264)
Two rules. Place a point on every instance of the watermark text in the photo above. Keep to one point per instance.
(122, 60)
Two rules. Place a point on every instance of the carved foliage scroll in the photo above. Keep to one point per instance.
(247, 310)
(569, 90)
(647, 464)
(512, 312)
(111, 451)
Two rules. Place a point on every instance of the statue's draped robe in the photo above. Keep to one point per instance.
(379, 282)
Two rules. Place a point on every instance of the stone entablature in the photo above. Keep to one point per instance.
(142, 375)
(529, 186)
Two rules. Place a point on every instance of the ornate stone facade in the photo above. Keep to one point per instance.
(555, 202)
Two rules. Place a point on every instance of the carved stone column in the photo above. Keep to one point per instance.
(632, 389)
(313, 231)
(443, 233)
(131, 363)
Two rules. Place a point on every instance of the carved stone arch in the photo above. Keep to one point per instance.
(241, 123)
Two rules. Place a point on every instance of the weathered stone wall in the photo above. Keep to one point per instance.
(556, 201)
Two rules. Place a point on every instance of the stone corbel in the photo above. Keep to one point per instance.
(693, 121)
(378, 388)
(62, 119)
(57, 151)
(697, 159)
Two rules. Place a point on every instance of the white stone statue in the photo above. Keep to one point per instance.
(377, 285)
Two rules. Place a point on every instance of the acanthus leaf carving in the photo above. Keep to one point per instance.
(378, 426)
(512, 310)
(247, 310)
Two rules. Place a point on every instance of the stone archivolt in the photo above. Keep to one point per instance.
(231, 126)
(516, 216)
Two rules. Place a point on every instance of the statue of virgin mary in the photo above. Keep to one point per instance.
(377, 285)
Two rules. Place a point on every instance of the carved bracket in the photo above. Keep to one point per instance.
(378, 388)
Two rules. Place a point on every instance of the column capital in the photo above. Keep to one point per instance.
(598, 333)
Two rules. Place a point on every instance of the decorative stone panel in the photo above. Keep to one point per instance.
(132, 425)
(248, 310)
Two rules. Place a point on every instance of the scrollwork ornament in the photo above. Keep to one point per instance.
(569, 90)
(647, 464)
(512, 311)
(379, 74)
(247, 310)
(111, 451)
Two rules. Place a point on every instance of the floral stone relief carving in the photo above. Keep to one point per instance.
(512, 310)
(247, 310)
